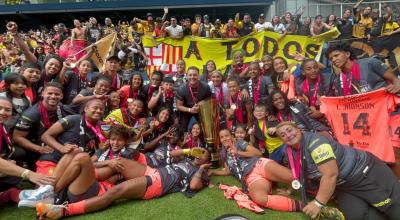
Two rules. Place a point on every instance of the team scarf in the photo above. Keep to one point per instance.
(4, 135)
(307, 92)
(45, 116)
(194, 98)
(281, 119)
(347, 84)
(240, 67)
(255, 92)
(193, 143)
(128, 118)
(220, 95)
(114, 83)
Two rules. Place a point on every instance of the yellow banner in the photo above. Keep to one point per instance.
(102, 48)
(164, 52)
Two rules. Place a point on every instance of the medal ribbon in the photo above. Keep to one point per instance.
(294, 165)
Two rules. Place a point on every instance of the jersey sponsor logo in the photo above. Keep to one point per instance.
(322, 152)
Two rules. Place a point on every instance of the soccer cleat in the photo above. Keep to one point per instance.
(332, 213)
(49, 211)
(42, 194)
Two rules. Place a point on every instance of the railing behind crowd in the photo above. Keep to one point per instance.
(325, 9)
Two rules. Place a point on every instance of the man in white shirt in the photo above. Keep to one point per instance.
(174, 30)
(261, 25)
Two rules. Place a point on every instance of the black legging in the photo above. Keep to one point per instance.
(379, 184)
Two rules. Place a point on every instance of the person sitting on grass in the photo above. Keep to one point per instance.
(10, 173)
(142, 182)
(79, 176)
(256, 174)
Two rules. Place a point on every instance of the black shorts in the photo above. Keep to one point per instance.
(93, 191)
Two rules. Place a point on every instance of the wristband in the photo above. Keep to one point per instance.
(25, 173)
(190, 110)
(186, 151)
(318, 203)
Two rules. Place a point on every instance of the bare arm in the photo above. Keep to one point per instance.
(154, 100)
(329, 172)
(358, 4)
(222, 172)
(251, 151)
(11, 169)
(25, 49)
(19, 137)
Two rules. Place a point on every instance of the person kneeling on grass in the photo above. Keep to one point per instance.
(256, 174)
(364, 186)
(142, 182)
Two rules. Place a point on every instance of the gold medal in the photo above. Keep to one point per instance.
(233, 107)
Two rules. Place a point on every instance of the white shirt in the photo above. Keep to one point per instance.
(122, 54)
(279, 28)
(262, 27)
(174, 31)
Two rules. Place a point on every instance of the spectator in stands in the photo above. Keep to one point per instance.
(362, 21)
(277, 26)
(205, 27)
(246, 26)
(217, 31)
(196, 25)
(174, 30)
(108, 27)
(94, 31)
(318, 26)
(262, 25)
(305, 27)
(345, 25)
(230, 29)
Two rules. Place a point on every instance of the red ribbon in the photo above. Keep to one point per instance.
(306, 91)
(45, 117)
(347, 83)
(3, 133)
(96, 129)
(294, 165)
(280, 117)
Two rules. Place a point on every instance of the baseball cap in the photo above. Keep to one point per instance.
(149, 14)
(262, 16)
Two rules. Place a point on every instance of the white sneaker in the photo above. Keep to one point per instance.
(24, 194)
(42, 194)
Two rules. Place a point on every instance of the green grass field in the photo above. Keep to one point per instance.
(207, 204)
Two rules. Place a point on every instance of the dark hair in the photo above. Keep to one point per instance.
(194, 68)
(242, 126)
(103, 78)
(327, 18)
(340, 46)
(53, 84)
(33, 65)
(120, 131)
(159, 73)
(307, 60)
(173, 17)
(53, 56)
(270, 104)
(232, 79)
(168, 79)
(133, 75)
(11, 79)
(318, 16)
